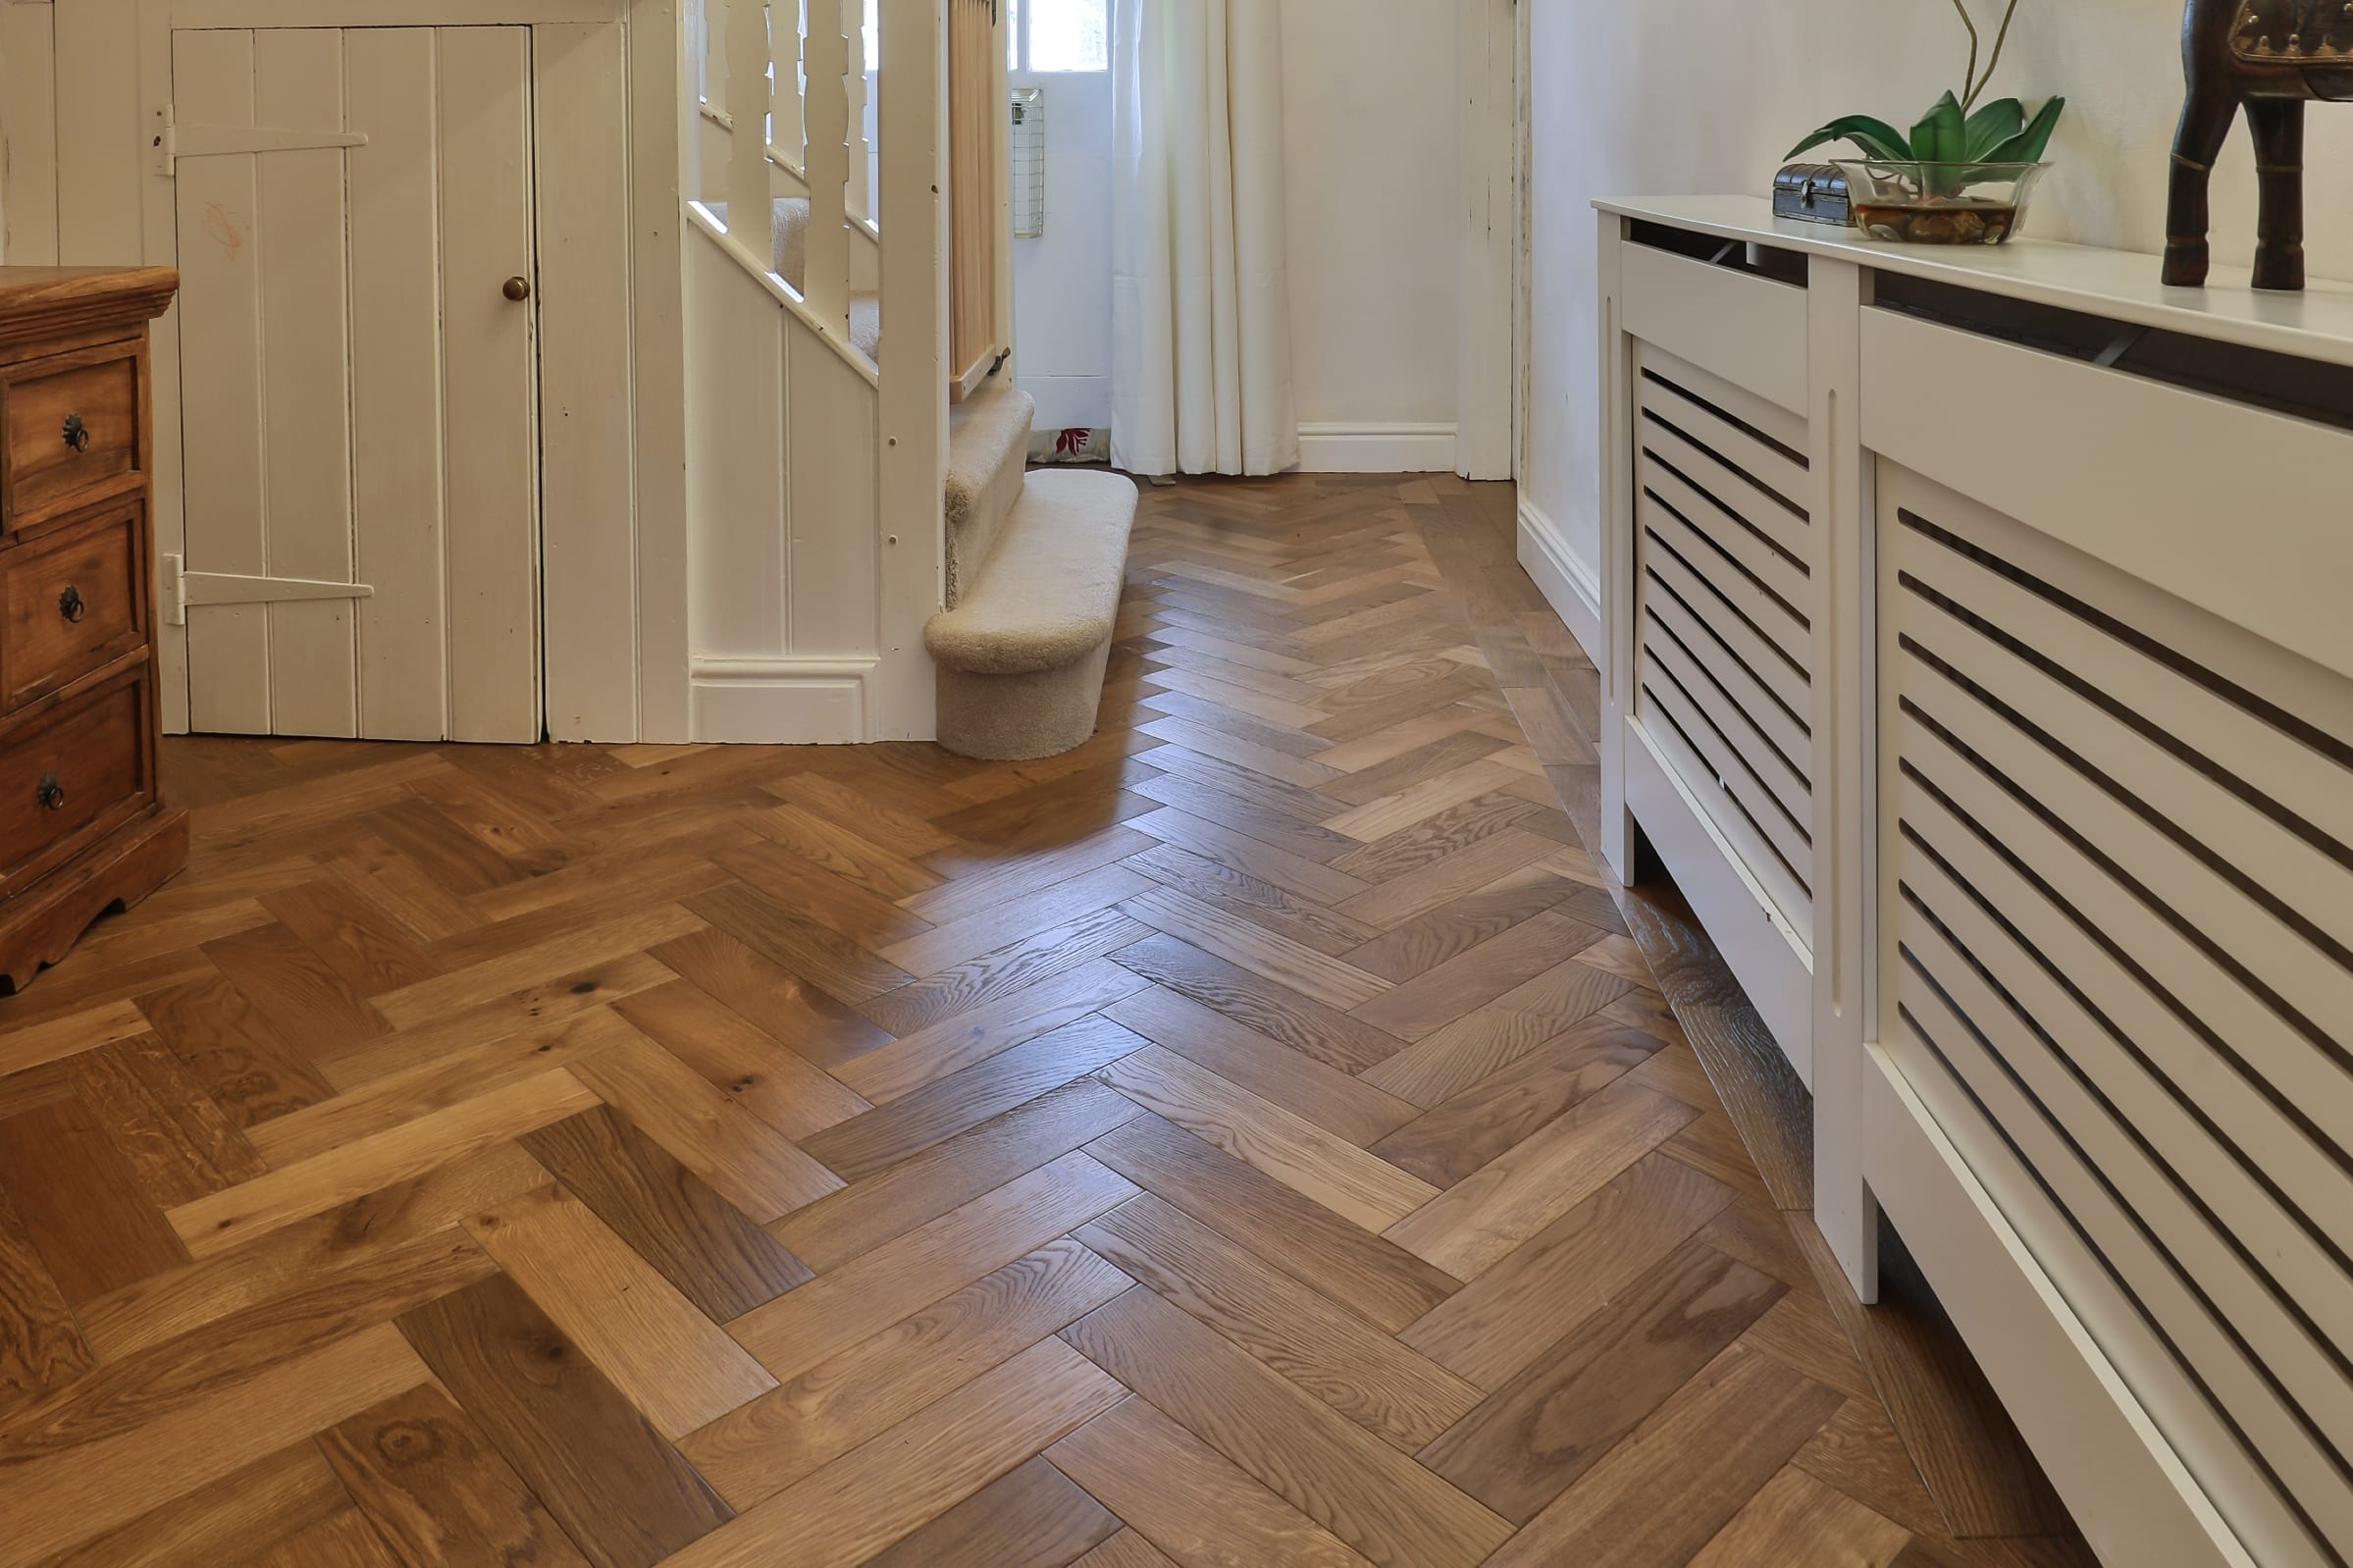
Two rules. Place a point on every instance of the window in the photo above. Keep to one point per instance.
(1058, 34)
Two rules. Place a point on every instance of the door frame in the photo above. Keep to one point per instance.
(613, 524)
(1489, 235)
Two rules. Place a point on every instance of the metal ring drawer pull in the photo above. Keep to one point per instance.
(50, 793)
(78, 434)
(70, 605)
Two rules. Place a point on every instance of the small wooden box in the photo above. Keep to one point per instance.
(82, 823)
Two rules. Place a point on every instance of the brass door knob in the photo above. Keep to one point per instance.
(517, 289)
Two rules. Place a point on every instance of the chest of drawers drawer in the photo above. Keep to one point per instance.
(70, 428)
(71, 601)
(71, 772)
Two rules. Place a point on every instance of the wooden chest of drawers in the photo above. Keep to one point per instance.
(83, 824)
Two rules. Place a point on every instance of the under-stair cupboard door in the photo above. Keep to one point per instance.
(358, 382)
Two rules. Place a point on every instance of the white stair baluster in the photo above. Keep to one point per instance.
(750, 204)
(789, 132)
(861, 196)
(825, 289)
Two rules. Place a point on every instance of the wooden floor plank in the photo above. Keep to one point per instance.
(1381, 1385)
(1188, 1503)
(272, 1500)
(1318, 1165)
(1298, 1021)
(782, 1003)
(1308, 1088)
(373, 1232)
(1442, 993)
(880, 1208)
(1660, 1495)
(398, 1154)
(345, 1540)
(622, 1494)
(1000, 1024)
(941, 1109)
(1796, 1522)
(1532, 1439)
(706, 1246)
(1373, 1278)
(1126, 1549)
(1001, 972)
(430, 1483)
(1034, 1516)
(1453, 1057)
(710, 1131)
(449, 1080)
(40, 1342)
(79, 1202)
(900, 1277)
(67, 1496)
(1480, 1220)
(180, 1144)
(1570, 1270)
(1460, 1134)
(764, 1073)
(865, 1390)
(882, 1491)
(1345, 1478)
(667, 1357)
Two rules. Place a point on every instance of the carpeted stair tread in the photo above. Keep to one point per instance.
(1050, 591)
(866, 325)
(988, 447)
(1021, 661)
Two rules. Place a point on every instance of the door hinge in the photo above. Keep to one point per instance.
(182, 588)
(173, 141)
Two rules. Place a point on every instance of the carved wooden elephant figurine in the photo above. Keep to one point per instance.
(2271, 56)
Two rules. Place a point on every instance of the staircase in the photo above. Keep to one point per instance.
(1034, 563)
(789, 256)
(868, 558)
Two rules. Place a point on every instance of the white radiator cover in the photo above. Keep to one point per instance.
(2009, 692)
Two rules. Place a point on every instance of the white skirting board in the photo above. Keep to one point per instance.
(1377, 448)
(1569, 585)
(781, 702)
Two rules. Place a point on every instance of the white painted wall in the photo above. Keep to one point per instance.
(1062, 280)
(1370, 127)
(1633, 100)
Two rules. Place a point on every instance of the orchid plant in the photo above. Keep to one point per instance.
(1960, 136)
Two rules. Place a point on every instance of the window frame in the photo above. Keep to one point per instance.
(1020, 15)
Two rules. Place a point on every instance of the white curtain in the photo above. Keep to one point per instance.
(1201, 346)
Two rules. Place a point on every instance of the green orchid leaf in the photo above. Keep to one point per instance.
(1876, 138)
(1991, 125)
(1941, 135)
(2028, 144)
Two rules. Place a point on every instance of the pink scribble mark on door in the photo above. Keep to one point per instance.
(224, 229)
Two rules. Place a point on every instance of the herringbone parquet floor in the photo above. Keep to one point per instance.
(1252, 1140)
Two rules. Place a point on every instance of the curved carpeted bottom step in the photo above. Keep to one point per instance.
(1022, 658)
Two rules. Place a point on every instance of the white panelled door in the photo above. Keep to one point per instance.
(358, 382)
